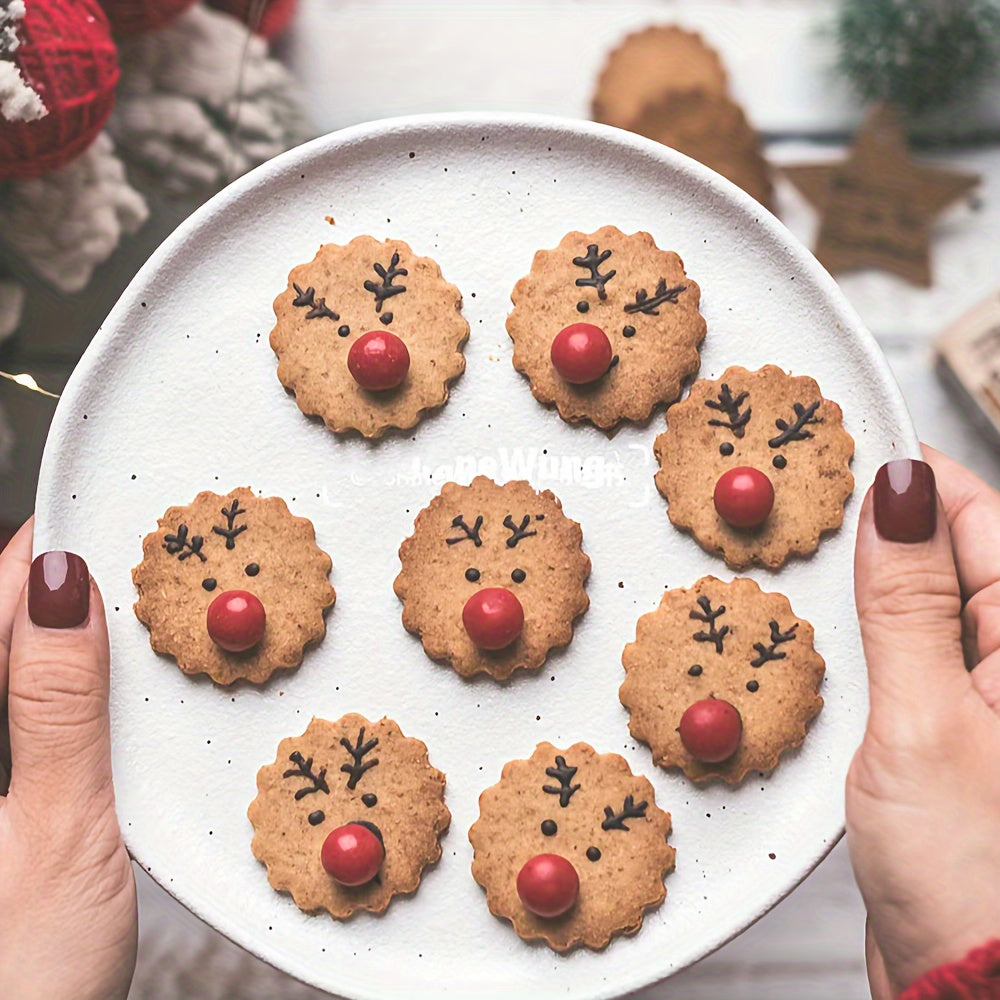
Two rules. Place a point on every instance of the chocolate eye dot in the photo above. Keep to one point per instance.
(726, 448)
(344, 331)
(752, 685)
(252, 569)
(315, 818)
(628, 331)
(208, 583)
(582, 306)
(472, 574)
(369, 799)
(779, 461)
(518, 576)
(593, 854)
(549, 827)
(695, 670)
(386, 318)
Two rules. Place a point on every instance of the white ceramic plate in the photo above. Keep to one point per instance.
(178, 394)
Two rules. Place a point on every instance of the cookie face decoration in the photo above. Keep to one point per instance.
(233, 586)
(348, 815)
(722, 679)
(369, 336)
(755, 465)
(606, 326)
(492, 577)
(571, 847)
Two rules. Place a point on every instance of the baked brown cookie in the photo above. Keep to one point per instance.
(233, 585)
(735, 442)
(649, 63)
(369, 336)
(712, 129)
(709, 650)
(348, 815)
(571, 847)
(492, 577)
(606, 326)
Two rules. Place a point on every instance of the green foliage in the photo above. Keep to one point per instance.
(918, 54)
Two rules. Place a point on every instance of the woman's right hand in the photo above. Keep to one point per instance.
(923, 792)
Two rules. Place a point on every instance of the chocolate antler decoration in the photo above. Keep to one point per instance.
(303, 769)
(707, 615)
(564, 774)
(180, 543)
(794, 432)
(592, 262)
(517, 533)
(386, 289)
(356, 769)
(650, 306)
(616, 821)
(777, 637)
(229, 533)
(317, 307)
(469, 534)
(730, 406)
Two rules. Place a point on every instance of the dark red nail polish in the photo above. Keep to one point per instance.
(58, 590)
(905, 499)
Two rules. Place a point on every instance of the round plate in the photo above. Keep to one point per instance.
(178, 394)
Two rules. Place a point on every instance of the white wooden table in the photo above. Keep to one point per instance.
(364, 60)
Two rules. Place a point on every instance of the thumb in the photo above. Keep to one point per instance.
(908, 599)
(58, 694)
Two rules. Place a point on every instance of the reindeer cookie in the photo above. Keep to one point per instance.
(721, 680)
(348, 815)
(571, 847)
(756, 465)
(233, 586)
(369, 336)
(492, 577)
(606, 326)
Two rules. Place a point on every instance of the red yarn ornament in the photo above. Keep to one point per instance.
(68, 58)
(276, 17)
(134, 17)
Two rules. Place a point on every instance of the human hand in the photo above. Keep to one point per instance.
(68, 925)
(923, 790)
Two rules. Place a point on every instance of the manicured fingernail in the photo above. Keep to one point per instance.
(905, 499)
(58, 590)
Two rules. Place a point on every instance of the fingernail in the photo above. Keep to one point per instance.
(58, 590)
(905, 499)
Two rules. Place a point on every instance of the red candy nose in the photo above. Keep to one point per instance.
(548, 885)
(236, 620)
(352, 854)
(493, 617)
(581, 353)
(711, 730)
(744, 497)
(378, 361)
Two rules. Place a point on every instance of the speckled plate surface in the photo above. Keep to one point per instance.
(178, 394)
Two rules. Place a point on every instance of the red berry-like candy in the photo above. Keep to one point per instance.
(352, 854)
(493, 617)
(378, 360)
(236, 620)
(581, 353)
(744, 497)
(711, 730)
(548, 885)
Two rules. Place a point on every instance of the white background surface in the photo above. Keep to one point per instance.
(359, 61)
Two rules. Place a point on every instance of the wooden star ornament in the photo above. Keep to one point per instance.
(877, 206)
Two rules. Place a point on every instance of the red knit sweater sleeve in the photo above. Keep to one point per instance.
(975, 977)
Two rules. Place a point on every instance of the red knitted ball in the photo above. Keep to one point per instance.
(274, 20)
(133, 17)
(68, 58)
